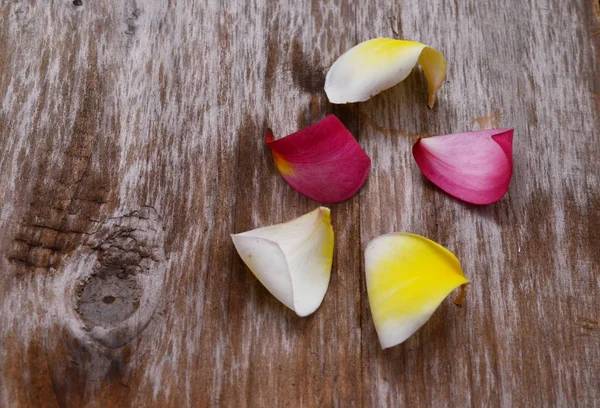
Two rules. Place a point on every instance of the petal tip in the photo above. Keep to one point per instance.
(325, 212)
(431, 101)
(269, 137)
(434, 66)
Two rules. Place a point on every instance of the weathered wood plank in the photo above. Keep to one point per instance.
(132, 146)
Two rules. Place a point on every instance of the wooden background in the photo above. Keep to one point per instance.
(132, 145)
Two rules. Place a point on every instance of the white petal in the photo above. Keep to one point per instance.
(369, 68)
(268, 263)
(293, 260)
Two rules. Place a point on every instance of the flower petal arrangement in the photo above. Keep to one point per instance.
(380, 63)
(408, 276)
(323, 161)
(292, 260)
(475, 167)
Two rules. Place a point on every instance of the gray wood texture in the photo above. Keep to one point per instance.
(132, 145)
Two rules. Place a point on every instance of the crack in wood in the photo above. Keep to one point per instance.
(130, 23)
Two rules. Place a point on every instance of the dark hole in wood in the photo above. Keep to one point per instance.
(77, 3)
(108, 299)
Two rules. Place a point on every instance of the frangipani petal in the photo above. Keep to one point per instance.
(323, 161)
(408, 276)
(475, 166)
(292, 260)
(378, 64)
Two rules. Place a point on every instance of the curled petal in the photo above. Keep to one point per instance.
(378, 64)
(475, 166)
(292, 260)
(408, 276)
(323, 161)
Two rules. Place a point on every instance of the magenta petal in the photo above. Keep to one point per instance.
(474, 166)
(323, 161)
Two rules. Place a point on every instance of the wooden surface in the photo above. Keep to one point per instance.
(132, 145)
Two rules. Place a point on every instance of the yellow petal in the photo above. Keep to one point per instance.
(378, 64)
(292, 260)
(408, 276)
(434, 66)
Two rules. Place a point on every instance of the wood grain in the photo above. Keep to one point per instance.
(132, 145)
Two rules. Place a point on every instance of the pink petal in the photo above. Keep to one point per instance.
(323, 161)
(474, 166)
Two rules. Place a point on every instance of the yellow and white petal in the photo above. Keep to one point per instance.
(292, 260)
(408, 276)
(378, 64)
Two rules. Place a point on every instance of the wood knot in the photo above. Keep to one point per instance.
(117, 298)
(108, 299)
